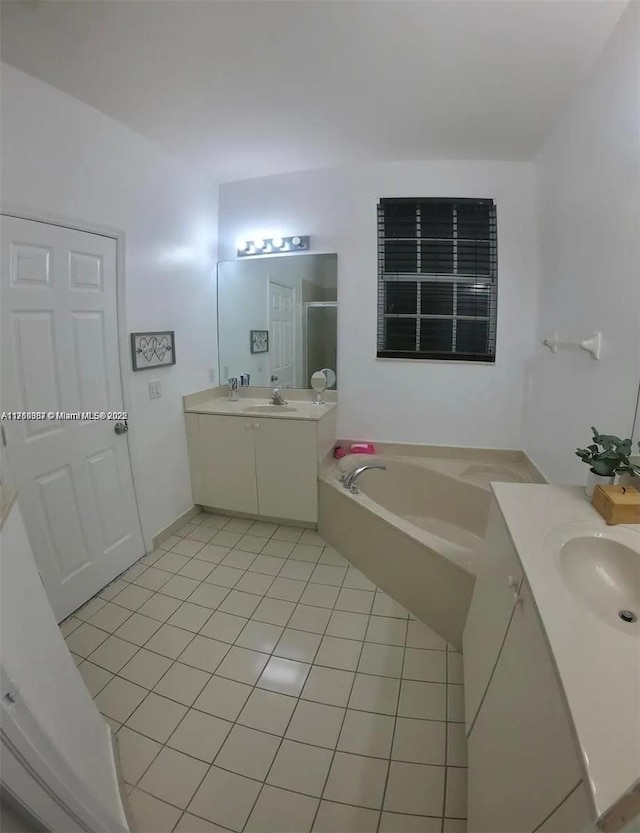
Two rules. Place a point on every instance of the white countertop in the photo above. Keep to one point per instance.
(599, 665)
(223, 406)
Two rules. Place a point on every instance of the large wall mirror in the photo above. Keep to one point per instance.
(277, 318)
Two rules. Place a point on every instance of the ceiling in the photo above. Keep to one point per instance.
(247, 88)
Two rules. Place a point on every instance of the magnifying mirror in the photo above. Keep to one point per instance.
(330, 376)
(319, 384)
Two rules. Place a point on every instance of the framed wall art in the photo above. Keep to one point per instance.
(151, 350)
(259, 341)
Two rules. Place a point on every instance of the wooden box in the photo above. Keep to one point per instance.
(617, 504)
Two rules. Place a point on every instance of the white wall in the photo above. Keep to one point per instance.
(61, 157)
(412, 401)
(589, 207)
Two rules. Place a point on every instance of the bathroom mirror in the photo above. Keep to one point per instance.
(277, 318)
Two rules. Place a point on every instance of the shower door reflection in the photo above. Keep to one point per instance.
(320, 337)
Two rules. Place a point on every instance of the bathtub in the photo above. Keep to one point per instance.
(418, 528)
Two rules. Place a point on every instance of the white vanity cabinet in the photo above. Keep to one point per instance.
(523, 758)
(257, 466)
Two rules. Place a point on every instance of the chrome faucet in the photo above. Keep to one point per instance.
(276, 398)
(350, 481)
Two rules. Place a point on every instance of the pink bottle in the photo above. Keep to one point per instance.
(362, 448)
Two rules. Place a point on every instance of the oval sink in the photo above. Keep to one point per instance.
(269, 409)
(604, 574)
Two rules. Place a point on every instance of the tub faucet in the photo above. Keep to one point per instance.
(276, 398)
(350, 481)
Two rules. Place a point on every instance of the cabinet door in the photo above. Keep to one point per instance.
(499, 578)
(287, 469)
(195, 457)
(522, 757)
(228, 465)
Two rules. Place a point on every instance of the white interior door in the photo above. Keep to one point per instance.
(281, 332)
(60, 354)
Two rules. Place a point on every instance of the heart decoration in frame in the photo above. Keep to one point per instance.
(150, 350)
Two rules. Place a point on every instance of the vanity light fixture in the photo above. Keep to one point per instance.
(273, 245)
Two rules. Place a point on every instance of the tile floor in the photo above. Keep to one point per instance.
(259, 683)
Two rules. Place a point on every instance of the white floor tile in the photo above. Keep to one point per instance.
(212, 553)
(208, 595)
(204, 653)
(326, 574)
(223, 626)
(243, 665)
(424, 700)
(375, 694)
(136, 753)
(138, 629)
(172, 562)
(281, 811)
(456, 793)
(119, 698)
(354, 779)
(85, 639)
(334, 818)
(384, 660)
(225, 798)
(190, 617)
(425, 665)
(145, 668)
(419, 741)
(180, 587)
(251, 543)
(240, 604)
(169, 641)
(386, 606)
(238, 559)
(287, 589)
(150, 815)
(173, 777)
(267, 564)
(357, 580)
(320, 595)
(298, 645)
(260, 636)
(268, 711)
(421, 636)
(279, 549)
(112, 654)
(274, 611)
(196, 569)
(159, 607)
(187, 547)
(415, 788)
(109, 617)
(288, 533)
(200, 735)
(456, 745)
(182, 683)
(400, 823)
(192, 824)
(328, 685)
(365, 733)
(312, 619)
(132, 597)
(238, 525)
(304, 552)
(310, 536)
(248, 752)
(333, 557)
(94, 677)
(300, 768)
(299, 570)
(335, 652)
(156, 717)
(316, 723)
(347, 625)
(386, 630)
(226, 539)
(257, 583)
(152, 578)
(284, 675)
(223, 698)
(354, 601)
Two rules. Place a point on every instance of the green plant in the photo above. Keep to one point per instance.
(607, 455)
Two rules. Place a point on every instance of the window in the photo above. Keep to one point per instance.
(437, 279)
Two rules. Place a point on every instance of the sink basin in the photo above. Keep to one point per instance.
(268, 408)
(602, 570)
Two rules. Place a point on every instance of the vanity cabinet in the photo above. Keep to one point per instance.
(523, 758)
(497, 584)
(256, 466)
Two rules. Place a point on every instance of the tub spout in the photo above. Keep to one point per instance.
(351, 480)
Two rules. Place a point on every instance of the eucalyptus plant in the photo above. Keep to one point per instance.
(607, 455)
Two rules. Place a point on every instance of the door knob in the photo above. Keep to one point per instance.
(274, 378)
(121, 427)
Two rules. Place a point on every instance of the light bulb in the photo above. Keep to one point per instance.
(277, 242)
(259, 244)
(295, 241)
(244, 246)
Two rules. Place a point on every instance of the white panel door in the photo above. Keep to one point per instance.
(60, 354)
(281, 333)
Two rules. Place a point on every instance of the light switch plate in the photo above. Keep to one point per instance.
(155, 389)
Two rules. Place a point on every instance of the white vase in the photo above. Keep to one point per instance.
(594, 480)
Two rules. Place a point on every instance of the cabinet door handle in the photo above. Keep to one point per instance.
(256, 425)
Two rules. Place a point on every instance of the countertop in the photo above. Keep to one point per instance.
(223, 406)
(598, 665)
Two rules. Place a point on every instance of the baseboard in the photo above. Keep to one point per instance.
(169, 530)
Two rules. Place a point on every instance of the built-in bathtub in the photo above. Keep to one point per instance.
(417, 529)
